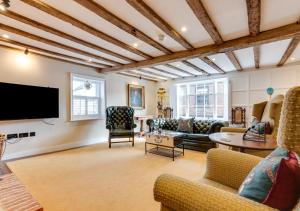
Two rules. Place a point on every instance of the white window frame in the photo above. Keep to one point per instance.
(102, 98)
(215, 81)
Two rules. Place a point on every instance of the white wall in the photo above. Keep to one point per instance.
(41, 71)
(249, 87)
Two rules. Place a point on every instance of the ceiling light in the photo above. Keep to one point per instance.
(161, 37)
(293, 58)
(135, 45)
(183, 29)
(26, 51)
(90, 60)
(4, 5)
(213, 59)
(5, 36)
(177, 65)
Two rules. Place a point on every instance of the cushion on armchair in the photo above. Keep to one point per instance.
(265, 182)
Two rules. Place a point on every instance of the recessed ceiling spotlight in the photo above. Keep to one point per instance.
(6, 36)
(90, 60)
(135, 45)
(293, 58)
(213, 59)
(161, 37)
(177, 65)
(183, 29)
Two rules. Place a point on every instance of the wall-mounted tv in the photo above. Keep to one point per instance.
(28, 102)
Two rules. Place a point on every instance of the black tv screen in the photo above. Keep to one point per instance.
(28, 102)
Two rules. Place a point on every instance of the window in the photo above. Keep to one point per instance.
(87, 97)
(203, 99)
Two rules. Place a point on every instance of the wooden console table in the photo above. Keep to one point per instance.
(13, 194)
(142, 119)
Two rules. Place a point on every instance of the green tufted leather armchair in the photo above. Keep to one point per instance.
(120, 123)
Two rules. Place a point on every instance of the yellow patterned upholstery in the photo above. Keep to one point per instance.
(226, 171)
(289, 126)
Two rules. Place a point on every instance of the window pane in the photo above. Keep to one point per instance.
(220, 112)
(192, 89)
(192, 111)
(209, 112)
(200, 112)
(79, 106)
(92, 106)
(85, 88)
(182, 110)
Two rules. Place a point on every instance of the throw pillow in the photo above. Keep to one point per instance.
(275, 181)
(285, 191)
(259, 181)
(185, 125)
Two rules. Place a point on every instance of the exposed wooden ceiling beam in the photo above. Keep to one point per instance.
(212, 64)
(136, 76)
(256, 51)
(113, 19)
(231, 56)
(67, 18)
(151, 15)
(254, 14)
(51, 30)
(202, 15)
(155, 74)
(290, 49)
(50, 57)
(54, 54)
(253, 8)
(164, 71)
(273, 35)
(191, 65)
(178, 69)
(50, 42)
(141, 73)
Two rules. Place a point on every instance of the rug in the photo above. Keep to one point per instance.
(98, 178)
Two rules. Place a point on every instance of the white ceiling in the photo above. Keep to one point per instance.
(230, 18)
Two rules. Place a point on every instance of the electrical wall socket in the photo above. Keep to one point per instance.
(12, 136)
(23, 135)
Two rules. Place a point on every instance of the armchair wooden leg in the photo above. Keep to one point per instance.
(133, 141)
(109, 142)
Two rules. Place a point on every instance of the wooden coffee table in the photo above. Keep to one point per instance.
(164, 143)
(236, 140)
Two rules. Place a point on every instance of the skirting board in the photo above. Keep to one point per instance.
(49, 149)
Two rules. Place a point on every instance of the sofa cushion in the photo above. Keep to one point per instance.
(195, 137)
(185, 125)
(121, 132)
(202, 126)
(170, 124)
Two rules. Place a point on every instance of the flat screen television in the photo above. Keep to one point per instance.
(28, 102)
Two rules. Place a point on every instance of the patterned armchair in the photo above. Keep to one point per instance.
(226, 170)
(120, 123)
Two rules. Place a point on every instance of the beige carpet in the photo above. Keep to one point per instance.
(98, 178)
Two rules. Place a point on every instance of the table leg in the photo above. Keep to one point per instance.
(145, 147)
(183, 149)
(173, 151)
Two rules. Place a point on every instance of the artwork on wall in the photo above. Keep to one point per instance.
(136, 96)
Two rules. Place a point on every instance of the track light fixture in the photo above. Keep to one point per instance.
(26, 51)
(5, 4)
